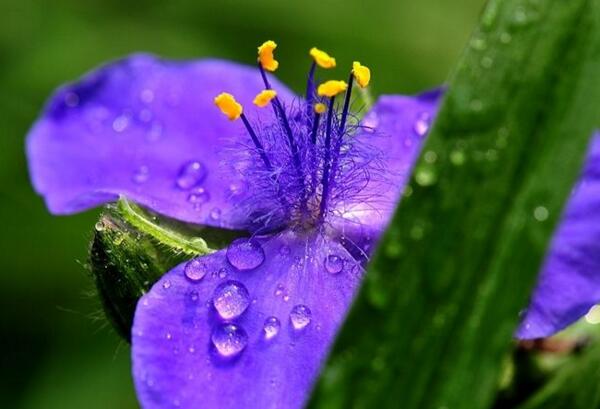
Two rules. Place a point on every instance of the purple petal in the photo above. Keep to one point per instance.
(396, 126)
(147, 129)
(569, 284)
(300, 292)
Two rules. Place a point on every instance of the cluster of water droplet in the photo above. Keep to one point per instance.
(231, 299)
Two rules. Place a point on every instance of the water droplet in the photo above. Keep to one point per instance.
(99, 226)
(120, 123)
(285, 250)
(199, 196)
(229, 339)
(422, 124)
(194, 296)
(231, 299)
(271, 327)
(147, 96)
(191, 175)
(195, 270)
(155, 132)
(245, 254)
(334, 264)
(478, 43)
(487, 62)
(300, 316)
(457, 157)
(430, 156)
(141, 175)
(540, 213)
(215, 213)
(505, 38)
(237, 188)
(166, 285)
(71, 99)
(425, 176)
(145, 115)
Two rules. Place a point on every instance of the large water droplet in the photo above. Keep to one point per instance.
(300, 316)
(245, 254)
(191, 175)
(141, 175)
(422, 124)
(231, 299)
(271, 327)
(195, 270)
(229, 339)
(334, 264)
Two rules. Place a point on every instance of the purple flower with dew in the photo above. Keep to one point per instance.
(313, 185)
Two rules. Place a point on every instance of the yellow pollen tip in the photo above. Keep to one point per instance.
(362, 74)
(331, 88)
(322, 59)
(264, 97)
(265, 56)
(228, 105)
(320, 108)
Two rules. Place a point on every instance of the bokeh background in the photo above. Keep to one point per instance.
(57, 350)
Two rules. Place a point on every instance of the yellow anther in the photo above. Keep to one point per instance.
(362, 74)
(228, 105)
(322, 59)
(320, 108)
(264, 97)
(331, 88)
(265, 56)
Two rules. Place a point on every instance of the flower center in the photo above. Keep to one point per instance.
(307, 160)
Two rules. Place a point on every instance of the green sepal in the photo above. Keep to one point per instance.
(132, 248)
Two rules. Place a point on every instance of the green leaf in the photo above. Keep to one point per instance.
(434, 319)
(132, 248)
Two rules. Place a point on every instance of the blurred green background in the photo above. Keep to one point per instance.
(58, 352)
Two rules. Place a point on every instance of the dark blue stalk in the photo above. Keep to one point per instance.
(310, 86)
(280, 113)
(346, 104)
(259, 146)
(326, 164)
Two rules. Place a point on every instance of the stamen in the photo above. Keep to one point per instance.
(323, 59)
(264, 97)
(331, 88)
(266, 61)
(361, 73)
(233, 110)
(228, 106)
(265, 56)
(319, 109)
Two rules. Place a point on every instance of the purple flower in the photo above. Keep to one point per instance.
(314, 186)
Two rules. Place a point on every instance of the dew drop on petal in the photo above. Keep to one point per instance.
(198, 196)
(141, 175)
(71, 99)
(191, 175)
(271, 327)
(300, 316)
(195, 270)
(120, 123)
(285, 250)
(421, 125)
(215, 213)
(166, 285)
(245, 254)
(231, 299)
(229, 339)
(334, 264)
